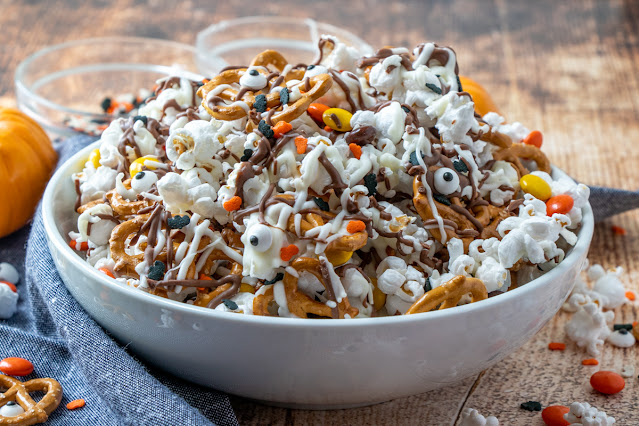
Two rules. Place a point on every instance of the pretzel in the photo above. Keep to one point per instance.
(273, 58)
(18, 392)
(518, 151)
(203, 299)
(449, 294)
(300, 304)
(320, 84)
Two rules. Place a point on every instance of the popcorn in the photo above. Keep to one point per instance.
(587, 415)
(471, 417)
(588, 327)
(9, 273)
(8, 301)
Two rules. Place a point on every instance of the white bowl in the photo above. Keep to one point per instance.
(306, 363)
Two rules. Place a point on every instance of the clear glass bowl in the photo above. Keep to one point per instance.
(66, 83)
(237, 41)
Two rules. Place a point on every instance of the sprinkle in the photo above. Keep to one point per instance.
(328, 128)
(531, 406)
(370, 182)
(284, 96)
(427, 285)
(534, 138)
(460, 166)
(434, 88)
(141, 118)
(106, 272)
(265, 129)
(356, 150)
(178, 222)
(459, 86)
(230, 304)
(278, 277)
(11, 286)
(590, 361)
(622, 327)
(556, 346)
(406, 109)
(630, 295)
(260, 103)
(76, 403)
(156, 272)
(355, 226)
(413, 159)
(323, 205)
(83, 246)
(300, 144)
(281, 128)
(287, 253)
(205, 277)
(106, 104)
(441, 199)
(233, 204)
(618, 230)
(248, 153)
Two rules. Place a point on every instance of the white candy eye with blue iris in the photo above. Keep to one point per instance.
(446, 181)
(253, 79)
(143, 181)
(260, 238)
(314, 70)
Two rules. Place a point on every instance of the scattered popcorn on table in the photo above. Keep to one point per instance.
(584, 414)
(471, 417)
(8, 293)
(9, 273)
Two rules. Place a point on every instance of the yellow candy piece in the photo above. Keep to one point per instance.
(379, 297)
(137, 165)
(338, 257)
(535, 186)
(338, 119)
(94, 158)
(247, 288)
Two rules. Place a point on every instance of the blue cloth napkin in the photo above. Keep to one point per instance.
(51, 330)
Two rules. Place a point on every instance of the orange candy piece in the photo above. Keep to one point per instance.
(76, 403)
(11, 286)
(534, 138)
(630, 295)
(106, 272)
(618, 230)
(316, 111)
(561, 204)
(233, 204)
(355, 226)
(553, 415)
(590, 361)
(300, 144)
(607, 382)
(281, 128)
(556, 346)
(14, 366)
(356, 150)
(287, 253)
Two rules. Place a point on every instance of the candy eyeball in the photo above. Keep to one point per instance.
(11, 409)
(260, 237)
(314, 70)
(253, 79)
(446, 181)
(143, 181)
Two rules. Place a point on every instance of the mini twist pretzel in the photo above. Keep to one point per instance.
(18, 392)
(519, 151)
(350, 242)
(300, 304)
(273, 58)
(203, 299)
(449, 294)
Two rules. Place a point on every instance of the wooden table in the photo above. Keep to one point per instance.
(567, 68)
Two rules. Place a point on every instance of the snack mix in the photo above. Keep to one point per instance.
(351, 187)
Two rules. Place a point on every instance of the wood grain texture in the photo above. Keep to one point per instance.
(566, 68)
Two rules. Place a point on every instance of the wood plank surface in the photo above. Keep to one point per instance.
(569, 69)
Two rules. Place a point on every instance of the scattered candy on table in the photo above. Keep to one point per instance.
(15, 366)
(556, 346)
(9, 273)
(9, 277)
(531, 406)
(75, 404)
(553, 415)
(17, 407)
(607, 382)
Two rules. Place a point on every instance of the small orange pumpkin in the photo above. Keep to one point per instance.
(27, 160)
(483, 102)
